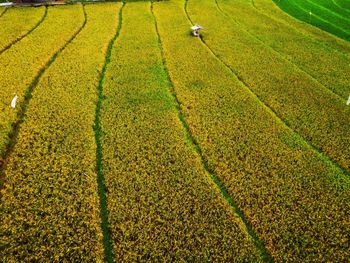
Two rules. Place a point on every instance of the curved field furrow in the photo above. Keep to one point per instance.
(338, 16)
(271, 10)
(278, 53)
(296, 201)
(163, 205)
(320, 18)
(311, 56)
(33, 54)
(104, 213)
(50, 205)
(343, 4)
(11, 32)
(3, 11)
(335, 8)
(314, 16)
(301, 102)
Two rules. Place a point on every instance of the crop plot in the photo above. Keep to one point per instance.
(51, 183)
(285, 88)
(23, 63)
(11, 32)
(123, 138)
(328, 15)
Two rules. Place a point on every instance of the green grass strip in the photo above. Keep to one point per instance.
(342, 4)
(107, 242)
(275, 13)
(329, 18)
(333, 7)
(299, 11)
(335, 16)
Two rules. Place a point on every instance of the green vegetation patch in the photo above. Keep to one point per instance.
(318, 13)
(271, 10)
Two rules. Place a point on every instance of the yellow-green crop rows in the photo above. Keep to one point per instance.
(314, 57)
(162, 204)
(300, 100)
(132, 141)
(276, 178)
(11, 31)
(22, 63)
(50, 206)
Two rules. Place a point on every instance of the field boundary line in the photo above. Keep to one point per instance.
(3, 12)
(278, 53)
(26, 34)
(253, 3)
(104, 213)
(337, 5)
(195, 145)
(343, 30)
(23, 107)
(320, 7)
(329, 23)
(323, 156)
(281, 21)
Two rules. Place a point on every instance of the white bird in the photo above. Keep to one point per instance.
(13, 102)
(348, 102)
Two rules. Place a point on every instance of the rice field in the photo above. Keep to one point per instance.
(125, 139)
(330, 15)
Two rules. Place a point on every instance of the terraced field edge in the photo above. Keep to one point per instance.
(107, 242)
(23, 107)
(194, 144)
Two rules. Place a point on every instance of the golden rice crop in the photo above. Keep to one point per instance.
(163, 206)
(50, 204)
(304, 104)
(12, 28)
(21, 63)
(330, 68)
(296, 201)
